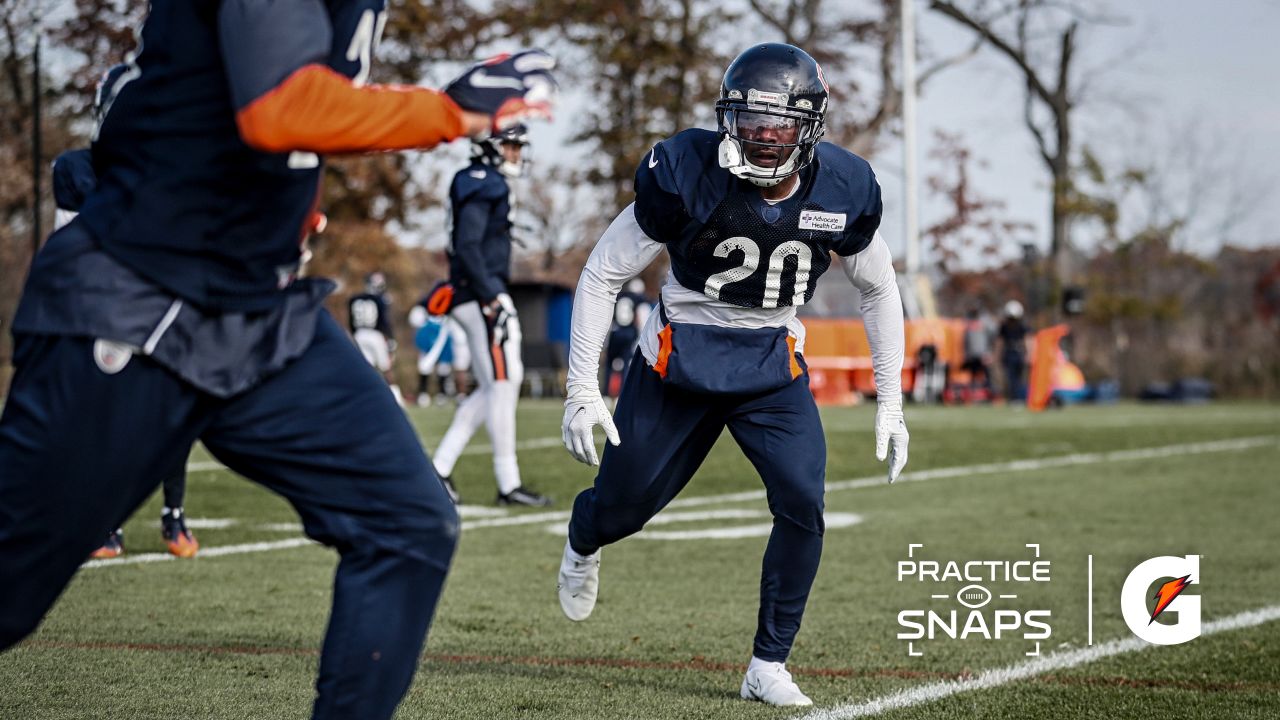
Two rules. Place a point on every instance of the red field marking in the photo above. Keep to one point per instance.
(697, 664)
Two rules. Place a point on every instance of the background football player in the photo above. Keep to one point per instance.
(749, 216)
(440, 355)
(169, 310)
(479, 268)
(369, 317)
(630, 313)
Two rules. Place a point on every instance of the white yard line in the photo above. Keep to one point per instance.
(205, 552)
(989, 679)
(1013, 466)
(483, 449)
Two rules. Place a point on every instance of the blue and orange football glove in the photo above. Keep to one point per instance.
(509, 88)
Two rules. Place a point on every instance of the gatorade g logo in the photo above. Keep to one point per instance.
(1168, 596)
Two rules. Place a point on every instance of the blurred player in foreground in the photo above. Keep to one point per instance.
(170, 310)
(74, 180)
(749, 216)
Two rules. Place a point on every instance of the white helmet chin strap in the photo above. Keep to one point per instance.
(731, 159)
(510, 169)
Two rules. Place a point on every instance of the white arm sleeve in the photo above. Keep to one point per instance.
(871, 271)
(622, 253)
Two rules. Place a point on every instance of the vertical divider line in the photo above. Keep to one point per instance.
(1090, 600)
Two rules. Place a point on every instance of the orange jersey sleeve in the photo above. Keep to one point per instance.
(316, 109)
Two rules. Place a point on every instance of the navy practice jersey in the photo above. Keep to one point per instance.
(727, 242)
(480, 244)
(182, 200)
(626, 310)
(369, 312)
(73, 179)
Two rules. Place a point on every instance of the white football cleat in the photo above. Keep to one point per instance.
(771, 684)
(579, 583)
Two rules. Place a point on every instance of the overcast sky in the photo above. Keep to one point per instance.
(1168, 71)
(1172, 65)
(1169, 66)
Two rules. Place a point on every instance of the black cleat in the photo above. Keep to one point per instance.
(447, 482)
(523, 496)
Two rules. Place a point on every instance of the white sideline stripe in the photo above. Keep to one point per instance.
(206, 552)
(874, 481)
(1060, 461)
(1064, 460)
(935, 474)
(989, 679)
(530, 444)
(209, 523)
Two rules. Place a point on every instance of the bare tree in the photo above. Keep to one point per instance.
(1039, 38)
(859, 47)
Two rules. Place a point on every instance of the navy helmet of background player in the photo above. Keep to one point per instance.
(504, 151)
(479, 269)
(170, 310)
(749, 216)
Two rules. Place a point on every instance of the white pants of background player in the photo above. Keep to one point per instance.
(373, 345)
(498, 371)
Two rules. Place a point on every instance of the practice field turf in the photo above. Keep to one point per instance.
(234, 633)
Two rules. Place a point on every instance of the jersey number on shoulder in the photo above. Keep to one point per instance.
(773, 274)
(363, 42)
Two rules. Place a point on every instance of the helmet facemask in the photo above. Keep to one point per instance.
(490, 151)
(765, 144)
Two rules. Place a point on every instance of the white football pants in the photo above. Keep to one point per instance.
(499, 371)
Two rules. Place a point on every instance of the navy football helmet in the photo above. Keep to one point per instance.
(489, 150)
(770, 114)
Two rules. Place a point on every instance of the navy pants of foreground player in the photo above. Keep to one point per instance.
(80, 449)
(666, 433)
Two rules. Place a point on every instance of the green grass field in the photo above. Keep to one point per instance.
(236, 635)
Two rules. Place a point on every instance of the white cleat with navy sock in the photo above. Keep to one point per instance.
(579, 583)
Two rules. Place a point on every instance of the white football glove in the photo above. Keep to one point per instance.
(892, 437)
(583, 410)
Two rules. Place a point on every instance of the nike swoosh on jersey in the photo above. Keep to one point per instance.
(481, 79)
(653, 157)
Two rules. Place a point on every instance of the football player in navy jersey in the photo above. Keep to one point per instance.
(479, 267)
(749, 216)
(73, 180)
(369, 317)
(169, 310)
(630, 313)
